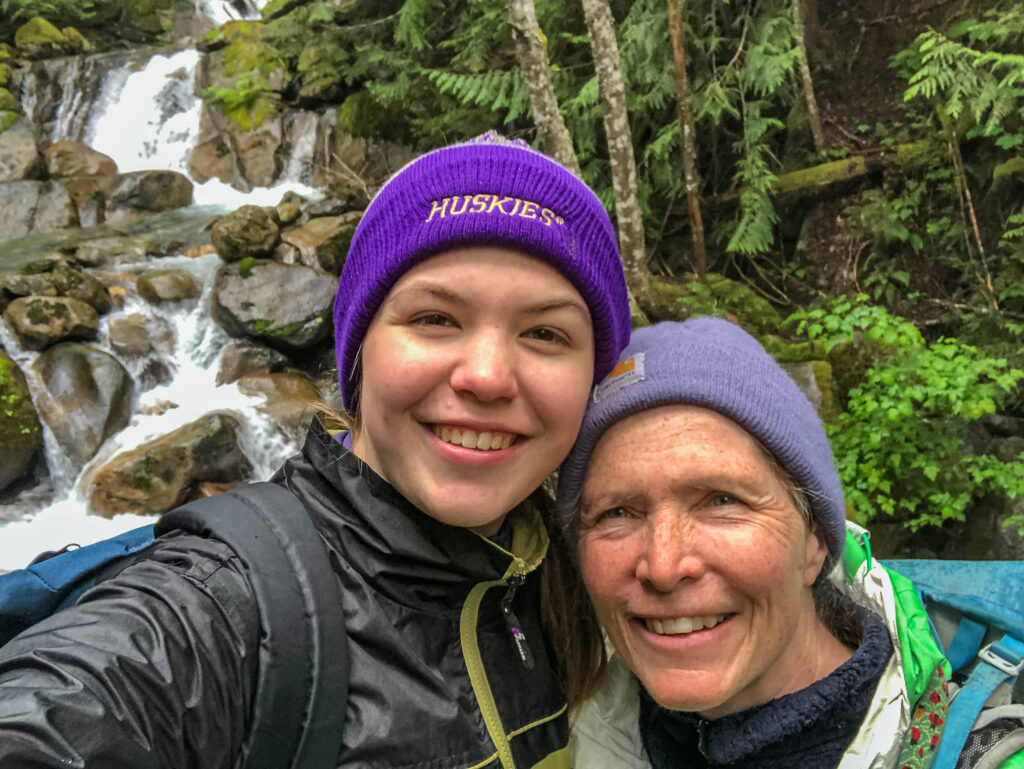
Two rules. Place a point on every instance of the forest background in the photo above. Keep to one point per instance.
(845, 180)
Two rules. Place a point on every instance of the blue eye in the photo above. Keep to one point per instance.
(721, 499)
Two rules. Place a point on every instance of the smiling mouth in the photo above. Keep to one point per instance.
(683, 625)
(488, 440)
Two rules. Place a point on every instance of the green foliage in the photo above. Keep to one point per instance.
(60, 11)
(964, 74)
(899, 445)
(247, 104)
(847, 320)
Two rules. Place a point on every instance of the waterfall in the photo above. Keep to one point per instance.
(142, 109)
(192, 355)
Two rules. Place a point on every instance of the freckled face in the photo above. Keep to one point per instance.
(475, 374)
(698, 563)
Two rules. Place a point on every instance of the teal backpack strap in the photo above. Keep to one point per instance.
(302, 683)
(987, 597)
(999, 662)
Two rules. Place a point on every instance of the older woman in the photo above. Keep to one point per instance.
(709, 516)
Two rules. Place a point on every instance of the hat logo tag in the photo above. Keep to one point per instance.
(627, 371)
(486, 203)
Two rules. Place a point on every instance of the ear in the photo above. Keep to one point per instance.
(815, 553)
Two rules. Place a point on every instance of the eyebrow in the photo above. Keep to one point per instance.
(444, 293)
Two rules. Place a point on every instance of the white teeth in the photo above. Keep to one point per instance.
(683, 625)
(470, 439)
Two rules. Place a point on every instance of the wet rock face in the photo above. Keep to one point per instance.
(242, 358)
(285, 306)
(148, 191)
(19, 158)
(129, 337)
(68, 159)
(321, 243)
(87, 397)
(41, 321)
(32, 208)
(163, 473)
(20, 433)
(248, 232)
(158, 286)
(287, 399)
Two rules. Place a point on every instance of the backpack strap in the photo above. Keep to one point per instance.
(302, 683)
(1000, 661)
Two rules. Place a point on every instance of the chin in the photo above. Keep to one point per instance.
(684, 700)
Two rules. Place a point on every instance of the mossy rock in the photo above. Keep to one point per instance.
(785, 351)
(8, 103)
(38, 33)
(254, 70)
(245, 48)
(5, 74)
(715, 295)
(20, 432)
(149, 16)
(7, 118)
(6, 52)
(76, 40)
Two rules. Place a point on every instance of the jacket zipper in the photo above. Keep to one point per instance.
(514, 582)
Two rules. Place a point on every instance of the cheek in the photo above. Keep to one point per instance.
(607, 570)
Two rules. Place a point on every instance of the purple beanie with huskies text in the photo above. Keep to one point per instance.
(488, 191)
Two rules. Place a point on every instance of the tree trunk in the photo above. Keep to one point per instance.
(685, 115)
(605, 48)
(813, 116)
(532, 54)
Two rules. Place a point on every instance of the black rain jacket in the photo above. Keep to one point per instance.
(155, 667)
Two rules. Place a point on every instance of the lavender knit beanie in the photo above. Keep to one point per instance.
(488, 191)
(712, 363)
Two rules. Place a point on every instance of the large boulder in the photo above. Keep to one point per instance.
(20, 433)
(286, 306)
(56, 278)
(86, 397)
(158, 286)
(39, 39)
(242, 358)
(148, 192)
(40, 321)
(162, 473)
(19, 158)
(288, 400)
(248, 232)
(321, 243)
(33, 208)
(129, 336)
(67, 159)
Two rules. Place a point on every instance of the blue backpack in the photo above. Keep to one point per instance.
(303, 669)
(977, 614)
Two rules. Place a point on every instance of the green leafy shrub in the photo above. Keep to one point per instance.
(899, 445)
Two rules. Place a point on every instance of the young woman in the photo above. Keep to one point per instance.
(482, 297)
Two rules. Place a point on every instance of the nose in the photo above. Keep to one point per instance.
(486, 369)
(670, 555)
